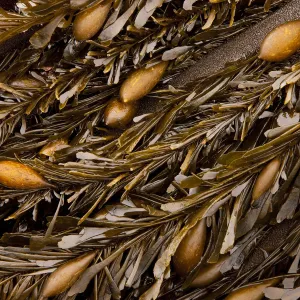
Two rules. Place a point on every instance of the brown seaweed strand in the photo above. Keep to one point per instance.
(240, 48)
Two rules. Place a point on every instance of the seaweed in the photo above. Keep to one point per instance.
(115, 202)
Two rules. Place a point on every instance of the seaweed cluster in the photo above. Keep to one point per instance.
(149, 149)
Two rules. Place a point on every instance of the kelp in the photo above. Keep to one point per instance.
(189, 154)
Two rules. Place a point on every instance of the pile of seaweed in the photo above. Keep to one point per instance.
(116, 183)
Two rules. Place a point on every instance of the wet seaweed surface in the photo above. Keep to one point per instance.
(153, 157)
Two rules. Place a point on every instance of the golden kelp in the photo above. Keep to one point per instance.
(19, 176)
(65, 275)
(191, 248)
(140, 82)
(281, 43)
(118, 114)
(209, 273)
(253, 291)
(266, 178)
(88, 22)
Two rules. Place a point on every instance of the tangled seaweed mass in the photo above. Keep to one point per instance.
(149, 149)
